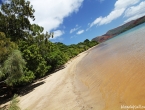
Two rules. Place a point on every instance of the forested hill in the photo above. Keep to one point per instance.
(114, 32)
(26, 54)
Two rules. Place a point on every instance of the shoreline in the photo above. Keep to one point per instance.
(57, 90)
(48, 81)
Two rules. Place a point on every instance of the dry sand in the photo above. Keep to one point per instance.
(57, 93)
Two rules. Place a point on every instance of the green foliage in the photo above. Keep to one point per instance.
(14, 103)
(35, 62)
(40, 56)
(13, 67)
(56, 59)
(14, 20)
(27, 78)
(6, 47)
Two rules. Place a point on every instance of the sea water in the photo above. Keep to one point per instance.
(137, 29)
(112, 74)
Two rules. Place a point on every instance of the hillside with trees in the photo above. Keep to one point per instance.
(116, 31)
(26, 54)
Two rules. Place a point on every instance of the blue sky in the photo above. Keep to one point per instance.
(73, 21)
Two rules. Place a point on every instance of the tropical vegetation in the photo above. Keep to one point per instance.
(26, 53)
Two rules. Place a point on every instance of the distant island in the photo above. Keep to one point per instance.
(116, 31)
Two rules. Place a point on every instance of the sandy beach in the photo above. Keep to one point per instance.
(58, 91)
(106, 77)
(112, 78)
(72, 55)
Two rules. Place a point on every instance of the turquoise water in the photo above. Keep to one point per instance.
(130, 44)
(137, 29)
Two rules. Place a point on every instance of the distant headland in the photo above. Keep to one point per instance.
(116, 31)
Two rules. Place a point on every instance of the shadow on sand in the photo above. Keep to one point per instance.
(20, 91)
(29, 88)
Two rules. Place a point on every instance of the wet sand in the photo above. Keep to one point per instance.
(113, 73)
(104, 78)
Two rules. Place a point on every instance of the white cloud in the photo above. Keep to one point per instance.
(135, 12)
(119, 8)
(75, 29)
(50, 13)
(134, 17)
(57, 34)
(112, 16)
(125, 3)
(80, 32)
(97, 21)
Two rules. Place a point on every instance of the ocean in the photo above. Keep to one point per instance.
(112, 74)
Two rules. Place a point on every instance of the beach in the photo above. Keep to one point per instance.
(109, 76)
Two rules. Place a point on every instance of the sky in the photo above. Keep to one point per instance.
(73, 21)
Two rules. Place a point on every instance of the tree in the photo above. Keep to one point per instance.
(6, 47)
(41, 55)
(14, 18)
(11, 72)
(86, 41)
(13, 68)
(35, 61)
